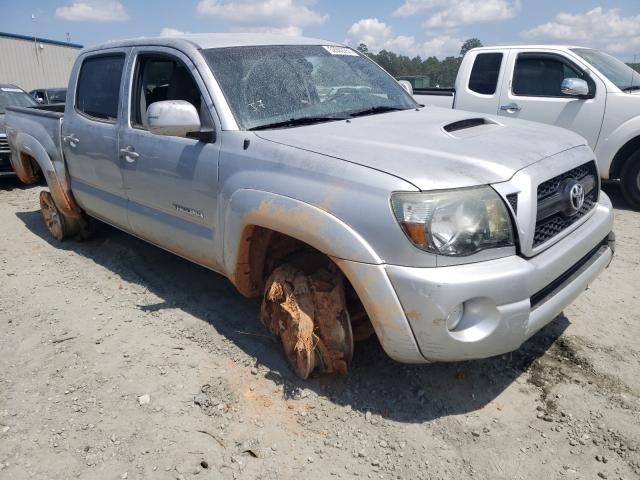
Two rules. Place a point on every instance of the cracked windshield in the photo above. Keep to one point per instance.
(280, 86)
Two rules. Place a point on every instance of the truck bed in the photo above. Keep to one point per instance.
(35, 131)
(439, 97)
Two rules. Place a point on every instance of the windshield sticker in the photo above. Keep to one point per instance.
(14, 90)
(339, 50)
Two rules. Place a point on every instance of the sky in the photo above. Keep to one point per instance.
(410, 27)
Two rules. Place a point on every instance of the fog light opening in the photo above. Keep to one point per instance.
(454, 317)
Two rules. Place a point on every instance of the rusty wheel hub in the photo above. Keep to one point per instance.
(309, 315)
(51, 216)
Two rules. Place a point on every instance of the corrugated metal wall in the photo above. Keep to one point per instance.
(31, 65)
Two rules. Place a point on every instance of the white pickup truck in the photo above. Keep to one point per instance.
(581, 89)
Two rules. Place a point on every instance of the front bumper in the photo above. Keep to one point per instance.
(506, 300)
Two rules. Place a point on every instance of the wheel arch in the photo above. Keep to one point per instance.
(623, 154)
(26, 153)
(254, 218)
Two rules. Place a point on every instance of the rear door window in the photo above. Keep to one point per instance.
(485, 73)
(98, 92)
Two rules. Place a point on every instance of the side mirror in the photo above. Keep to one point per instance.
(407, 86)
(576, 87)
(174, 118)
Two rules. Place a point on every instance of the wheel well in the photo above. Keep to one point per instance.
(31, 171)
(261, 250)
(621, 157)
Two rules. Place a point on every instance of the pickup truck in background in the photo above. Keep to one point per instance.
(47, 96)
(10, 95)
(307, 175)
(581, 89)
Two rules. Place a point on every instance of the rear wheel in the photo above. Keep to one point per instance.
(630, 180)
(59, 225)
(310, 316)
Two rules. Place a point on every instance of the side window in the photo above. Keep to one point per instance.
(485, 73)
(98, 91)
(161, 77)
(541, 76)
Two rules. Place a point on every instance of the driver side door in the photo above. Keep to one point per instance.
(533, 93)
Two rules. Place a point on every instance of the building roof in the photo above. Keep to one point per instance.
(217, 40)
(40, 40)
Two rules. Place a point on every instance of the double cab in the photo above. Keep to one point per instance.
(306, 175)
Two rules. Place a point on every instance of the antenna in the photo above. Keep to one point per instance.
(68, 37)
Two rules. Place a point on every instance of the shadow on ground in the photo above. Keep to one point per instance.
(11, 182)
(406, 393)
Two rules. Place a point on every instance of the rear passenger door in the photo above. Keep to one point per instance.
(90, 135)
(171, 182)
(533, 93)
(481, 93)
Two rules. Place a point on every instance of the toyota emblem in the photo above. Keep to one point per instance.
(576, 196)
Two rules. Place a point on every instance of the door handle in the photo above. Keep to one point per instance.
(512, 107)
(71, 139)
(129, 154)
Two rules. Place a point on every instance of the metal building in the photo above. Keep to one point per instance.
(32, 62)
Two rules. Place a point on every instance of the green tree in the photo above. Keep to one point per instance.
(469, 44)
(363, 49)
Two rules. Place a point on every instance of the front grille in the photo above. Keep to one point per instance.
(4, 144)
(552, 217)
(512, 198)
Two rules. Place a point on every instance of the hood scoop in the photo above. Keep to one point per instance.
(469, 127)
(467, 123)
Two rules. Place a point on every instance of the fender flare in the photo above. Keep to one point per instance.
(25, 148)
(309, 224)
(608, 149)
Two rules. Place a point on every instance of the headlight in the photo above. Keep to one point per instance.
(454, 222)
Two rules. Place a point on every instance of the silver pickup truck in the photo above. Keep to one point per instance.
(307, 175)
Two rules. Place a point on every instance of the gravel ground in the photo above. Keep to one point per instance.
(121, 361)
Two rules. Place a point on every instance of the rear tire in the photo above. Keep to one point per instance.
(630, 180)
(61, 226)
(309, 314)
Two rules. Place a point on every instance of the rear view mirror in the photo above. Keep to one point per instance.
(406, 85)
(576, 87)
(174, 118)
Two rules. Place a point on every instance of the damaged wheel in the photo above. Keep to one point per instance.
(61, 226)
(310, 316)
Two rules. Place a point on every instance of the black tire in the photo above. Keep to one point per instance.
(630, 180)
(61, 226)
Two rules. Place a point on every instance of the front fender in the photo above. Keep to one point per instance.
(607, 148)
(307, 223)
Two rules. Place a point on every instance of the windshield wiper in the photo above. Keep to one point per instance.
(292, 122)
(630, 88)
(374, 110)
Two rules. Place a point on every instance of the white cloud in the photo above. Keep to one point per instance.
(171, 32)
(451, 14)
(93, 11)
(599, 28)
(378, 36)
(268, 14)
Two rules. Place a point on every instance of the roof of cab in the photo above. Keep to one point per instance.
(214, 40)
(527, 46)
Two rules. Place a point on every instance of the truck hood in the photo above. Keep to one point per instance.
(433, 148)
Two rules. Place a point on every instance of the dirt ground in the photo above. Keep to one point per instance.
(121, 361)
